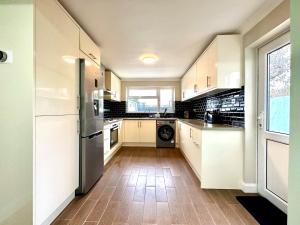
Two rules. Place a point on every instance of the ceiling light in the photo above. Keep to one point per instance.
(149, 59)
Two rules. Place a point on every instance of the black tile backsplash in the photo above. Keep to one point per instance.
(118, 110)
(230, 104)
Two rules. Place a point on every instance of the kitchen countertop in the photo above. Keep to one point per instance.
(199, 124)
(148, 118)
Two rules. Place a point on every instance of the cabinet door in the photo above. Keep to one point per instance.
(202, 73)
(184, 88)
(195, 152)
(212, 70)
(147, 131)
(131, 131)
(106, 137)
(57, 48)
(89, 47)
(184, 138)
(56, 162)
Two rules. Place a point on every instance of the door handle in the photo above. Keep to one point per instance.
(260, 120)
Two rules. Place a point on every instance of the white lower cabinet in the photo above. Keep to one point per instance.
(139, 131)
(215, 155)
(57, 163)
(106, 138)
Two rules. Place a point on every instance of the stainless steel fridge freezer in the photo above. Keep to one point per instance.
(91, 125)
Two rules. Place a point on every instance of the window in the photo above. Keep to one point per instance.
(150, 99)
(279, 75)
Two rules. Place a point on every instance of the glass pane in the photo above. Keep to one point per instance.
(166, 100)
(142, 92)
(142, 105)
(279, 90)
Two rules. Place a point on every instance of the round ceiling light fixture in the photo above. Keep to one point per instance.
(149, 58)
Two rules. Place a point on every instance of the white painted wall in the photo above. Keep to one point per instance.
(16, 113)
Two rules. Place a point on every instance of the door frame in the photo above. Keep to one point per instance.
(280, 40)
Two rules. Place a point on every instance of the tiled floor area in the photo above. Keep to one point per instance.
(147, 186)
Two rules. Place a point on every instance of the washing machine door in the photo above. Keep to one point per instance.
(166, 133)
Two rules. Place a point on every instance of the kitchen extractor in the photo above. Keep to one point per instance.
(91, 125)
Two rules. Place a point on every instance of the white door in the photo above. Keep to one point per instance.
(273, 120)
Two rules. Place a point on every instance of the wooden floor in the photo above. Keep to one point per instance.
(144, 186)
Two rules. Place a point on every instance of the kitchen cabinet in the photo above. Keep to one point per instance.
(57, 163)
(217, 164)
(139, 131)
(188, 85)
(190, 144)
(113, 84)
(56, 110)
(108, 151)
(147, 131)
(56, 77)
(217, 69)
(106, 140)
(89, 47)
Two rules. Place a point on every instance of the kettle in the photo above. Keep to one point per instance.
(212, 116)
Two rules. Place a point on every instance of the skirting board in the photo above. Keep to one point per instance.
(137, 144)
(112, 155)
(58, 211)
(249, 187)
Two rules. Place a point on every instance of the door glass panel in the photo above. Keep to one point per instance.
(279, 90)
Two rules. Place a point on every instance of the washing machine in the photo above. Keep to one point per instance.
(166, 133)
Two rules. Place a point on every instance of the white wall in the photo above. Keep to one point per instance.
(16, 113)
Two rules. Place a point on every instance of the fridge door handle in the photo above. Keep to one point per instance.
(96, 134)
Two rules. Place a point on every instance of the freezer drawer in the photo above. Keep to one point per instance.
(91, 161)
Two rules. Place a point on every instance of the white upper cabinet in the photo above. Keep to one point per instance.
(57, 48)
(188, 83)
(113, 84)
(89, 47)
(217, 69)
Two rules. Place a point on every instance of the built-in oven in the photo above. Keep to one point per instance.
(114, 134)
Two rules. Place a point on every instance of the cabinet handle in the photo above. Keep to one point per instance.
(78, 126)
(208, 84)
(183, 94)
(190, 132)
(92, 56)
(195, 88)
(78, 102)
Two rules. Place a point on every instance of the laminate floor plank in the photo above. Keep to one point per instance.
(149, 186)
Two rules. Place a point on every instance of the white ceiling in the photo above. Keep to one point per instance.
(175, 30)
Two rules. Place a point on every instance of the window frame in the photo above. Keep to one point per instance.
(157, 88)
